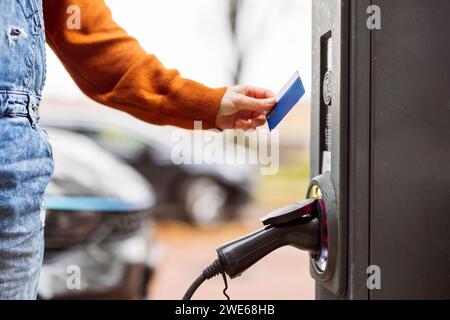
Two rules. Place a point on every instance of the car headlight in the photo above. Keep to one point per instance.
(69, 228)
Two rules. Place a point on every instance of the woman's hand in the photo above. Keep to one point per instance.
(244, 107)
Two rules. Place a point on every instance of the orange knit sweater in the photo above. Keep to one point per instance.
(113, 69)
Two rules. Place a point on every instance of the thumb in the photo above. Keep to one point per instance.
(260, 105)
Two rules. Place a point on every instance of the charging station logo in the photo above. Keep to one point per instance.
(374, 279)
(232, 147)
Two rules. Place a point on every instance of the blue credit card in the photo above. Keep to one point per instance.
(288, 97)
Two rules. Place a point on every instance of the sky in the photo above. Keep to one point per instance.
(273, 40)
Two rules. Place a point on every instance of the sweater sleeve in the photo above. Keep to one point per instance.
(113, 69)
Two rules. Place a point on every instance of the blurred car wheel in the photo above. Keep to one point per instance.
(204, 201)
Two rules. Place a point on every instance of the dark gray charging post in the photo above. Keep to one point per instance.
(381, 131)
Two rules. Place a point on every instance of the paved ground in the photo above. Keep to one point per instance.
(187, 250)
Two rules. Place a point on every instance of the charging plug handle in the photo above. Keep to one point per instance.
(296, 225)
(237, 256)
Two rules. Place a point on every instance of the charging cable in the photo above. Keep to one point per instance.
(210, 272)
(296, 225)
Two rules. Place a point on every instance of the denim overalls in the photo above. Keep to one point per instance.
(26, 163)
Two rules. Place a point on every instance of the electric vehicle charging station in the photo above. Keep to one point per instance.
(376, 220)
(381, 147)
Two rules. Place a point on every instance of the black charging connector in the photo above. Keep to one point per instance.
(295, 225)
